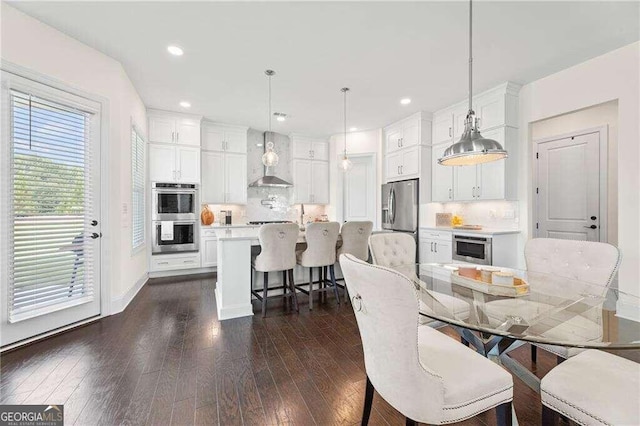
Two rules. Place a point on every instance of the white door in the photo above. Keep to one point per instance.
(302, 181)
(212, 138)
(236, 141)
(568, 183)
(50, 207)
(465, 183)
(410, 162)
(320, 182)
(359, 197)
(213, 174)
(320, 150)
(490, 178)
(162, 163)
(442, 176)
(161, 129)
(301, 147)
(188, 164)
(188, 131)
(236, 178)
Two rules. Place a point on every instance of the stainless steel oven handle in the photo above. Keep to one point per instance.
(463, 240)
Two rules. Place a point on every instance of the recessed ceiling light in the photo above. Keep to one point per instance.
(185, 104)
(175, 50)
(353, 129)
(280, 116)
(405, 101)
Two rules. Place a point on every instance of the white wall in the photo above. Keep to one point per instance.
(364, 142)
(614, 75)
(605, 114)
(28, 43)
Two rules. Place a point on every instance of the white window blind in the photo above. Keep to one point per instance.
(51, 254)
(137, 182)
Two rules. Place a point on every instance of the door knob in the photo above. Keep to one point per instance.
(591, 227)
(94, 236)
(593, 218)
(94, 223)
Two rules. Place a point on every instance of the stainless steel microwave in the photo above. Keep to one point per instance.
(472, 249)
(174, 201)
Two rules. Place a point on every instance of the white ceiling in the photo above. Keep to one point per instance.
(382, 50)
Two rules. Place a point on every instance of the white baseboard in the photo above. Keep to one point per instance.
(178, 272)
(231, 312)
(118, 305)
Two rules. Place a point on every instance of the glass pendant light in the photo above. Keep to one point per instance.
(345, 163)
(270, 157)
(472, 148)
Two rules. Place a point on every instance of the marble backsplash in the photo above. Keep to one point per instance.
(490, 214)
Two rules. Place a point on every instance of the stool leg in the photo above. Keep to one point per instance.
(284, 288)
(549, 416)
(292, 284)
(333, 281)
(264, 294)
(310, 289)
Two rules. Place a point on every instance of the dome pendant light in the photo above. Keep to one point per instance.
(269, 158)
(472, 148)
(345, 163)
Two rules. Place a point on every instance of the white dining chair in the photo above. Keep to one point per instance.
(278, 254)
(592, 388)
(397, 251)
(322, 238)
(585, 261)
(355, 240)
(424, 374)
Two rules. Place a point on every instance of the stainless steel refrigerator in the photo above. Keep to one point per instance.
(400, 207)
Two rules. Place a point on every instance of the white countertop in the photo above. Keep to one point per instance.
(483, 231)
(238, 225)
(232, 233)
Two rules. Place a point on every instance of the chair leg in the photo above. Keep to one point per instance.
(284, 288)
(410, 422)
(310, 289)
(549, 416)
(504, 415)
(368, 401)
(332, 271)
(559, 360)
(534, 354)
(464, 341)
(292, 285)
(265, 287)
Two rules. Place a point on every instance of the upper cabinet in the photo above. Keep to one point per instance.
(306, 148)
(174, 147)
(224, 138)
(497, 111)
(406, 153)
(165, 127)
(406, 134)
(310, 167)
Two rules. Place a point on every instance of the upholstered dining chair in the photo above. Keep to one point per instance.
(322, 238)
(592, 388)
(586, 261)
(355, 240)
(278, 253)
(424, 374)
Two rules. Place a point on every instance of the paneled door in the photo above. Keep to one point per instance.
(360, 190)
(568, 188)
(51, 223)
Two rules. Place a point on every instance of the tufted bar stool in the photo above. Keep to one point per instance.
(587, 261)
(355, 241)
(320, 253)
(278, 254)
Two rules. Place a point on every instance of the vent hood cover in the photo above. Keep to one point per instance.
(269, 181)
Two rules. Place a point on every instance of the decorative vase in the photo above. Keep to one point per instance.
(206, 215)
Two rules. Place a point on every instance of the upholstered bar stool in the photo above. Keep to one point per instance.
(355, 241)
(322, 238)
(278, 254)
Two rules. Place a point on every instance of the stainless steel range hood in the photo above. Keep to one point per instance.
(269, 181)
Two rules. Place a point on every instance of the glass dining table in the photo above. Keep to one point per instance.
(541, 308)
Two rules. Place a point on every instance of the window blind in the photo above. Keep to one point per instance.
(137, 182)
(51, 255)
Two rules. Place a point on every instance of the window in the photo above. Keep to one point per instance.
(138, 192)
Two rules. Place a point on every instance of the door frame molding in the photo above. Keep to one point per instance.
(603, 132)
(105, 258)
(340, 212)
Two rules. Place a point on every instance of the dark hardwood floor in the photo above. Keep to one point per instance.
(168, 360)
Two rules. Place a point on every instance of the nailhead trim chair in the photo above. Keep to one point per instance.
(355, 241)
(424, 374)
(278, 253)
(592, 388)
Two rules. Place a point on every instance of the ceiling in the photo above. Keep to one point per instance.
(383, 51)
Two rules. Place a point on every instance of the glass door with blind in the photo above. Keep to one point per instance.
(51, 203)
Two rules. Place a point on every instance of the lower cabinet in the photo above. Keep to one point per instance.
(209, 249)
(435, 246)
(168, 262)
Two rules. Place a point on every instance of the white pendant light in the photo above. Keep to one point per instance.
(345, 163)
(269, 158)
(472, 148)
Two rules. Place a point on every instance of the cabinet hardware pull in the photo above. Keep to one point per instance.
(435, 245)
(188, 261)
(449, 193)
(432, 246)
(173, 136)
(478, 192)
(398, 169)
(177, 136)
(449, 131)
(402, 169)
(401, 141)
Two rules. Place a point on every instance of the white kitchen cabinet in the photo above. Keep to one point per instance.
(209, 248)
(407, 133)
(393, 162)
(403, 164)
(169, 163)
(224, 178)
(435, 246)
(442, 127)
(224, 138)
(307, 148)
(465, 178)
(174, 128)
(169, 262)
(310, 182)
(393, 136)
(441, 176)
